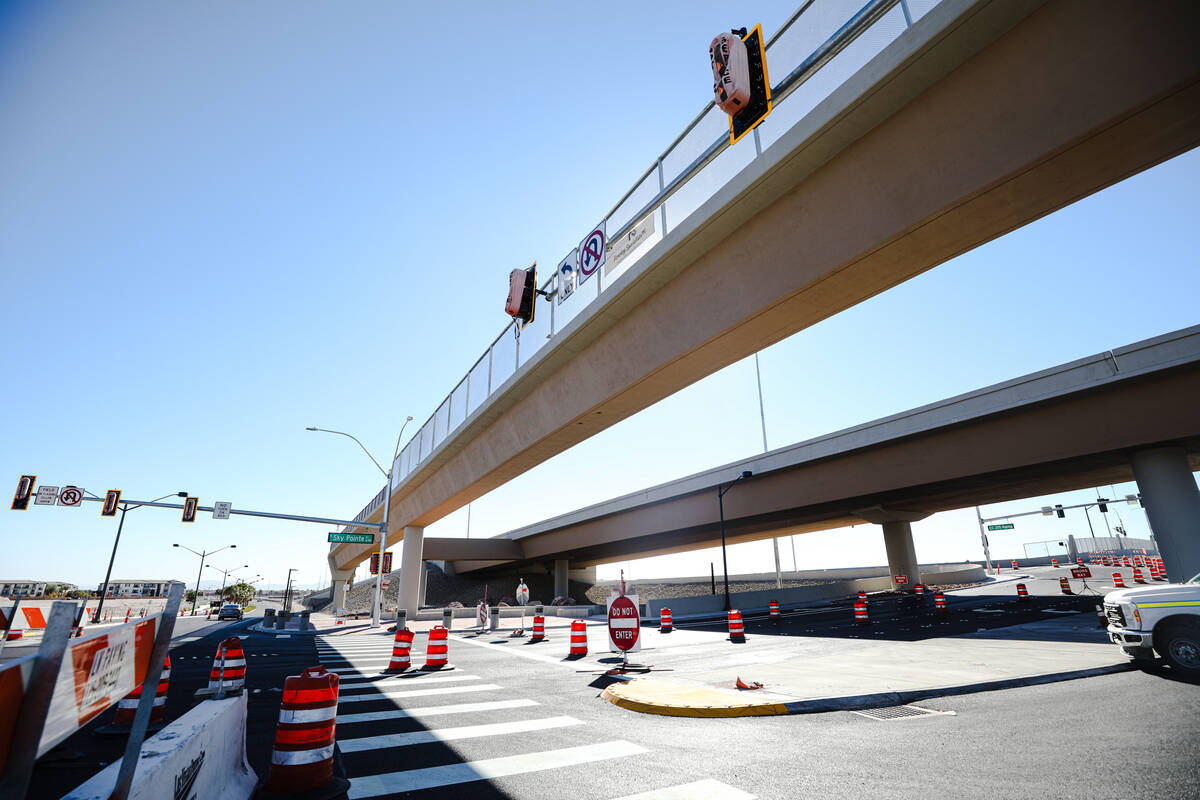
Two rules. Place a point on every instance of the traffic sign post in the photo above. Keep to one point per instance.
(624, 626)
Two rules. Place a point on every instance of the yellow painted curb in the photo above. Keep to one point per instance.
(672, 700)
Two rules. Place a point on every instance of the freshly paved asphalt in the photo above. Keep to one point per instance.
(1123, 735)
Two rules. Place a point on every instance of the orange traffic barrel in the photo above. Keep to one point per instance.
(1065, 586)
(401, 651)
(939, 601)
(1118, 581)
(229, 666)
(860, 611)
(578, 638)
(775, 610)
(302, 758)
(539, 629)
(438, 649)
(737, 633)
(1022, 592)
(665, 623)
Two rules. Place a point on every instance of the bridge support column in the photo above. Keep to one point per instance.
(341, 580)
(411, 568)
(1172, 503)
(560, 577)
(901, 554)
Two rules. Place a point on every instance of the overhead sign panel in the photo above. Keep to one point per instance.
(618, 249)
(1005, 526)
(46, 495)
(221, 509)
(568, 270)
(592, 251)
(353, 538)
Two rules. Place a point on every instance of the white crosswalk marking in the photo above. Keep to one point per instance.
(707, 789)
(434, 711)
(410, 684)
(429, 777)
(454, 734)
(386, 694)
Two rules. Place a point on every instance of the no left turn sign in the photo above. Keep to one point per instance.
(592, 251)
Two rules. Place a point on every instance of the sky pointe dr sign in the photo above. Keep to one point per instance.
(624, 624)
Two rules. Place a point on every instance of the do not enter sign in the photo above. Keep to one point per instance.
(624, 624)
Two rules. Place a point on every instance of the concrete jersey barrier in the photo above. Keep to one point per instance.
(202, 754)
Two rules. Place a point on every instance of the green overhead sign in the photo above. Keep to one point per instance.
(1007, 526)
(353, 538)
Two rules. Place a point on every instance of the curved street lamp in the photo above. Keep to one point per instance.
(387, 505)
(721, 505)
(108, 575)
(203, 555)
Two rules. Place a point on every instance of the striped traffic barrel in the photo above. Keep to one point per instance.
(665, 623)
(302, 758)
(539, 629)
(737, 632)
(229, 666)
(401, 650)
(438, 649)
(578, 638)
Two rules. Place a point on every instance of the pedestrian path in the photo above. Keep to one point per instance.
(408, 718)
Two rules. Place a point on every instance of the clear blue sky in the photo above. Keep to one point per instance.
(222, 223)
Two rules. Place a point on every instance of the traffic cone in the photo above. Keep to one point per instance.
(539, 629)
(737, 633)
(127, 707)
(860, 611)
(665, 623)
(741, 684)
(1065, 586)
(920, 587)
(228, 669)
(1137, 576)
(437, 650)
(1054, 563)
(939, 601)
(578, 638)
(302, 759)
(774, 611)
(401, 646)
(1022, 592)
(1118, 581)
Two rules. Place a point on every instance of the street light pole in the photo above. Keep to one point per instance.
(721, 506)
(376, 607)
(108, 575)
(203, 556)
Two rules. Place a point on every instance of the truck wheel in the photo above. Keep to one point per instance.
(1179, 646)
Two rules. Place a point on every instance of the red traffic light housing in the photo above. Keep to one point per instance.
(112, 499)
(522, 294)
(741, 86)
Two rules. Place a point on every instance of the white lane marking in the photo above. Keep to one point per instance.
(388, 694)
(433, 711)
(430, 777)
(454, 734)
(378, 666)
(517, 650)
(709, 787)
(451, 678)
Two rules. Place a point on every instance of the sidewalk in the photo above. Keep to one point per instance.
(884, 673)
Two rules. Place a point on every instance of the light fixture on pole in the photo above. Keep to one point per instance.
(107, 575)
(721, 506)
(203, 555)
(225, 575)
(389, 473)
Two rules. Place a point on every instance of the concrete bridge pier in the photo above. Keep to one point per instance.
(341, 580)
(560, 577)
(1172, 501)
(412, 571)
(898, 541)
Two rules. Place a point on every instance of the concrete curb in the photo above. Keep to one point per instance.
(710, 703)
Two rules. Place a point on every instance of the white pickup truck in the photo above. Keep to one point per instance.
(1163, 619)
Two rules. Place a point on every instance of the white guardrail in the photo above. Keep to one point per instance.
(821, 45)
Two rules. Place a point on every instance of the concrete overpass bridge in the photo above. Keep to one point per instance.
(978, 117)
(1117, 416)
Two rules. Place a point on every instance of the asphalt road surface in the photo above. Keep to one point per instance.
(513, 720)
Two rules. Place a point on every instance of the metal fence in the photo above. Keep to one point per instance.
(821, 45)
(1087, 545)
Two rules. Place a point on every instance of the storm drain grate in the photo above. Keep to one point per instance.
(899, 712)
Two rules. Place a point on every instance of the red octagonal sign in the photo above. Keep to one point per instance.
(623, 623)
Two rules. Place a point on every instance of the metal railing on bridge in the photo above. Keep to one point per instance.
(819, 46)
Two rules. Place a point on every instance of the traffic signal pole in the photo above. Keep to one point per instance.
(111, 559)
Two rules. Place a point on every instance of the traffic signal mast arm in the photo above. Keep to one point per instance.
(268, 514)
(1048, 510)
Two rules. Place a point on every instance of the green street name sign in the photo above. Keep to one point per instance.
(354, 538)
(1007, 526)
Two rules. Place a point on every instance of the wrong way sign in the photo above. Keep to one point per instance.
(624, 624)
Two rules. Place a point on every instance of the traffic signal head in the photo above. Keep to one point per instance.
(1059, 510)
(112, 499)
(522, 293)
(24, 492)
(189, 509)
(741, 85)
(1103, 501)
